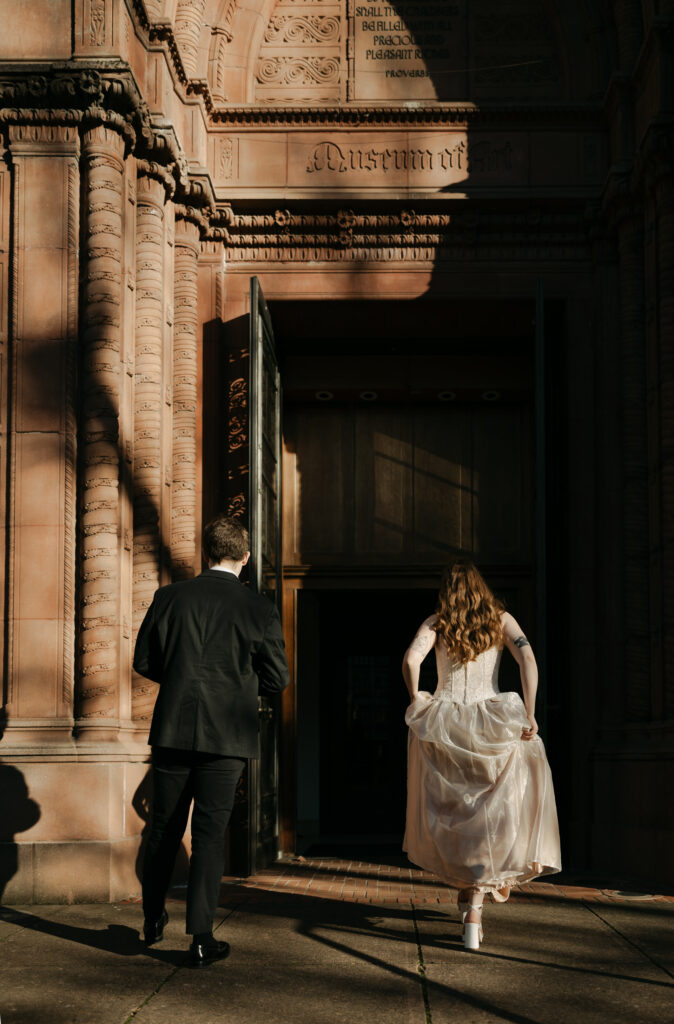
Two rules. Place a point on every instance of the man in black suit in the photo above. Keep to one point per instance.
(212, 645)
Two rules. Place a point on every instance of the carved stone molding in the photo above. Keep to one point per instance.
(225, 18)
(349, 235)
(302, 53)
(40, 102)
(309, 29)
(301, 71)
(221, 36)
(29, 139)
(99, 500)
(185, 322)
(296, 114)
(57, 87)
(97, 14)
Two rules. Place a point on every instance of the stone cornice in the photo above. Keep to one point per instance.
(412, 116)
(161, 32)
(103, 93)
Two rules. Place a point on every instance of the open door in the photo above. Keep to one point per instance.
(254, 450)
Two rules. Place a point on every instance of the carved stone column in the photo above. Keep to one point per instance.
(665, 256)
(40, 563)
(148, 409)
(183, 489)
(188, 25)
(635, 464)
(630, 31)
(100, 524)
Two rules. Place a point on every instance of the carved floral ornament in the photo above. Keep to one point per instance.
(298, 71)
(407, 234)
(301, 49)
(315, 28)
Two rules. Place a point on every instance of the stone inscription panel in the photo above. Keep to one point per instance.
(364, 161)
(402, 162)
(388, 161)
(408, 50)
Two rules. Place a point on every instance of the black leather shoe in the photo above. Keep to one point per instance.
(202, 954)
(154, 930)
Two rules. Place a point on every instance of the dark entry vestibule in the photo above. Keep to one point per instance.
(408, 437)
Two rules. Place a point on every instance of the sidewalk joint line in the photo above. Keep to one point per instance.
(421, 968)
(152, 994)
(178, 967)
(634, 945)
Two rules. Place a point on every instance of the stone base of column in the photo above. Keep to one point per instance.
(99, 731)
(73, 825)
(36, 732)
(76, 872)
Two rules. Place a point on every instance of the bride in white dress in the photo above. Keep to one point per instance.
(480, 803)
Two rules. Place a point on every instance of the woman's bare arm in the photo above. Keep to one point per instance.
(520, 648)
(423, 642)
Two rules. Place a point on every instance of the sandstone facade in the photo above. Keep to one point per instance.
(159, 153)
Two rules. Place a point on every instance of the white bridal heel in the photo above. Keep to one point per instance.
(473, 934)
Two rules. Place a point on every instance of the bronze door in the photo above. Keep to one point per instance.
(265, 568)
(254, 389)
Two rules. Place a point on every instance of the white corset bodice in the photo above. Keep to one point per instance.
(466, 684)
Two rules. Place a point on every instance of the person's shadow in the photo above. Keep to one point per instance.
(114, 938)
(18, 812)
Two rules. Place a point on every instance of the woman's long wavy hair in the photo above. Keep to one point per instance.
(469, 616)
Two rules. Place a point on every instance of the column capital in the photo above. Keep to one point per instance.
(155, 181)
(190, 222)
(656, 160)
(104, 139)
(35, 139)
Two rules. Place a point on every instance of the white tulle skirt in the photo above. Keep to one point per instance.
(480, 802)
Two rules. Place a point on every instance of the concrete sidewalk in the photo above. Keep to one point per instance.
(325, 941)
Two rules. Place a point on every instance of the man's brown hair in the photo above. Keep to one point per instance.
(225, 539)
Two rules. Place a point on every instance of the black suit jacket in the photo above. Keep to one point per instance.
(212, 645)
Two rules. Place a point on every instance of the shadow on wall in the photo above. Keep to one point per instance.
(18, 813)
(142, 805)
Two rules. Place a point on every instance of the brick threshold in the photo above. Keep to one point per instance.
(352, 881)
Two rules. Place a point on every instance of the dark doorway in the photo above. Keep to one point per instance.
(351, 702)
(408, 439)
(351, 710)
(408, 434)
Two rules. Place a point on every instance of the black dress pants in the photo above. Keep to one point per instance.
(180, 776)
